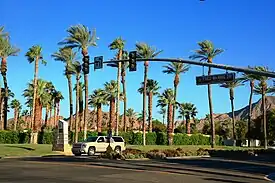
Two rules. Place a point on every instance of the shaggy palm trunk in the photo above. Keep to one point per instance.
(15, 119)
(46, 115)
(231, 93)
(33, 121)
(188, 129)
(4, 75)
(150, 108)
(54, 114)
(76, 110)
(264, 116)
(123, 76)
(176, 82)
(250, 112)
(112, 114)
(69, 78)
(50, 116)
(58, 110)
(99, 118)
(37, 117)
(144, 101)
(211, 111)
(169, 124)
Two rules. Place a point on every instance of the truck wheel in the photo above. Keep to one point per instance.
(91, 151)
(118, 149)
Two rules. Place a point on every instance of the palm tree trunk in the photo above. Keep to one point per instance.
(15, 119)
(124, 99)
(118, 94)
(58, 110)
(1, 101)
(81, 107)
(231, 93)
(211, 112)
(112, 114)
(69, 77)
(250, 112)
(5, 111)
(46, 115)
(150, 108)
(144, 101)
(188, 129)
(54, 114)
(86, 78)
(50, 116)
(169, 124)
(264, 118)
(176, 82)
(99, 118)
(33, 121)
(163, 118)
(76, 110)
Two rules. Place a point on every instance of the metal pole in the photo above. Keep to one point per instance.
(218, 66)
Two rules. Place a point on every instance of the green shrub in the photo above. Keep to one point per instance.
(137, 139)
(151, 138)
(127, 136)
(9, 137)
(161, 138)
(181, 139)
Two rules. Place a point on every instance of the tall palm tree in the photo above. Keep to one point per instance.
(167, 99)
(207, 53)
(118, 44)
(162, 111)
(57, 96)
(6, 50)
(34, 54)
(50, 89)
(2, 33)
(15, 105)
(231, 85)
(97, 100)
(152, 90)
(82, 38)
(262, 88)
(147, 52)
(110, 94)
(251, 79)
(124, 66)
(131, 114)
(176, 68)
(187, 110)
(68, 56)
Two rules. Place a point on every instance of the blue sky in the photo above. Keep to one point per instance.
(245, 29)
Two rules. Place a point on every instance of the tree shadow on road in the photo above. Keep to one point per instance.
(223, 180)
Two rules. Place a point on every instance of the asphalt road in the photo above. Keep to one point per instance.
(77, 170)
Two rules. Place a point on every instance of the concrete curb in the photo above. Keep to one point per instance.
(188, 157)
(270, 177)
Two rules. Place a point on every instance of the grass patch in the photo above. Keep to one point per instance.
(25, 150)
(187, 147)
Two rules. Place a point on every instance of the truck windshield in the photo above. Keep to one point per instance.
(90, 139)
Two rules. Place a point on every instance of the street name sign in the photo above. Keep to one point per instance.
(215, 79)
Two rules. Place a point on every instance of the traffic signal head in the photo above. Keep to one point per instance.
(98, 62)
(85, 65)
(132, 61)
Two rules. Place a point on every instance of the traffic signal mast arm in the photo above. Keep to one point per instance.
(218, 66)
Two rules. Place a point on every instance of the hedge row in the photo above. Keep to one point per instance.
(13, 137)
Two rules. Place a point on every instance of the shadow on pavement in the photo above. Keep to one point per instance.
(223, 180)
(187, 166)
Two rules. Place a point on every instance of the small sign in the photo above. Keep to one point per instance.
(98, 62)
(215, 79)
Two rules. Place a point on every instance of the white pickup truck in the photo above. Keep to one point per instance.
(99, 144)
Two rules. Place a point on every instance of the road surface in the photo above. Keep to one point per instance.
(78, 170)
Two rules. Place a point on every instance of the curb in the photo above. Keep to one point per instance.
(188, 157)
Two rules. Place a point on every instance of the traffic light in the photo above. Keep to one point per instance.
(98, 62)
(132, 61)
(85, 65)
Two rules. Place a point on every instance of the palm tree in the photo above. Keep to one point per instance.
(262, 89)
(162, 111)
(81, 103)
(110, 94)
(251, 79)
(57, 96)
(97, 100)
(34, 54)
(2, 33)
(68, 56)
(187, 110)
(40, 98)
(47, 101)
(82, 38)
(152, 89)
(124, 66)
(207, 53)
(176, 68)
(167, 99)
(131, 114)
(6, 50)
(118, 44)
(15, 105)
(147, 52)
(231, 85)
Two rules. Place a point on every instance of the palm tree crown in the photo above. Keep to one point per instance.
(6, 49)
(146, 51)
(35, 52)
(176, 68)
(152, 87)
(166, 98)
(97, 97)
